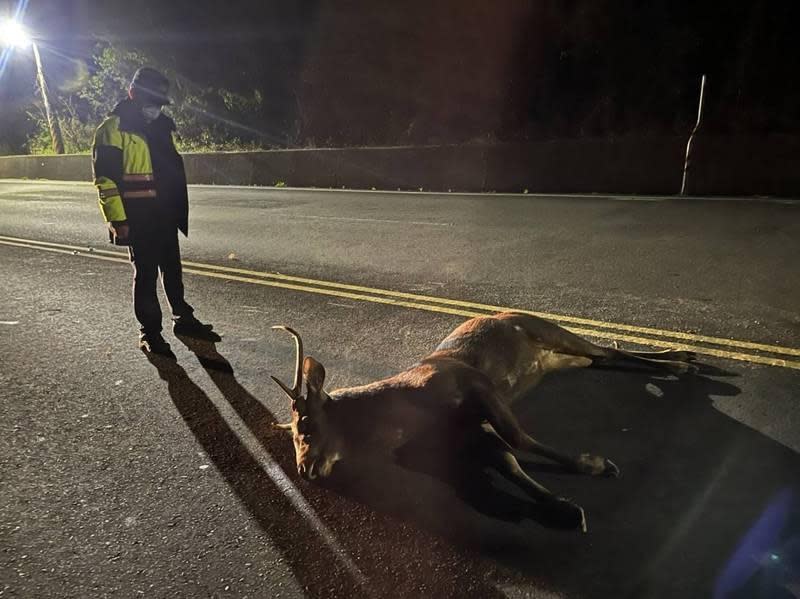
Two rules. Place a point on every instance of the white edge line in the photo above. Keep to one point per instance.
(288, 488)
(590, 196)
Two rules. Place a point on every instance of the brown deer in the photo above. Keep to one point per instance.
(470, 380)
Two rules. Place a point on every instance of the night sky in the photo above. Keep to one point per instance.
(354, 72)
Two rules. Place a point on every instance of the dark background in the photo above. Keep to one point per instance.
(358, 72)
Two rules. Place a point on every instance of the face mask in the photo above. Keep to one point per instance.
(150, 113)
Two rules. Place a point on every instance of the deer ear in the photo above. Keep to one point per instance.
(314, 374)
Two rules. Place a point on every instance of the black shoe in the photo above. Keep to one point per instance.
(189, 326)
(153, 343)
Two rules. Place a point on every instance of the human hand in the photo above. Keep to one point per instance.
(120, 230)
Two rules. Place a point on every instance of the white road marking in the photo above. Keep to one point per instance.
(637, 198)
(290, 491)
(367, 220)
(341, 305)
(488, 195)
(42, 195)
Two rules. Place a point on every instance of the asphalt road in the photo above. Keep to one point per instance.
(121, 478)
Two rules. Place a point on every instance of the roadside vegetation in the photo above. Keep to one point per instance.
(307, 76)
(207, 117)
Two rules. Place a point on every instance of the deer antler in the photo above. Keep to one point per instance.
(294, 392)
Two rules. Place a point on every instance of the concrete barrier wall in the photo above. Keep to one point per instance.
(627, 165)
(745, 166)
(430, 168)
(72, 167)
(654, 165)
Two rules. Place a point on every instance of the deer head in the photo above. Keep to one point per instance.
(316, 446)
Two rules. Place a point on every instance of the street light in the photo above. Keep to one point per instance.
(14, 34)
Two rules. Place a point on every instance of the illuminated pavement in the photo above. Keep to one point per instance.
(123, 479)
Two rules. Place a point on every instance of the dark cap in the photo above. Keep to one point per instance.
(149, 84)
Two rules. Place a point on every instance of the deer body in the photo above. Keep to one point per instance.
(469, 380)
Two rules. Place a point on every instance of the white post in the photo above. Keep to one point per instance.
(691, 136)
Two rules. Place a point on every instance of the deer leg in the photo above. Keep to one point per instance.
(665, 354)
(675, 362)
(506, 425)
(565, 342)
(561, 511)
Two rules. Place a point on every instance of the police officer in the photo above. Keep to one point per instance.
(141, 183)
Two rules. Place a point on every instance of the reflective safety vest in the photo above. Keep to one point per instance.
(110, 149)
(139, 175)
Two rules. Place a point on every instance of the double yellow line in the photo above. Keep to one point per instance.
(757, 353)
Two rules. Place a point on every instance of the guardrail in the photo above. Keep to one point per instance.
(638, 165)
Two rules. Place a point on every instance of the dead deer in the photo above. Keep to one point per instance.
(470, 380)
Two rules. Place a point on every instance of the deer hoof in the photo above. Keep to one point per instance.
(563, 514)
(680, 368)
(596, 465)
(611, 469)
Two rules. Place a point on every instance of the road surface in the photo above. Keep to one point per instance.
(122, 478)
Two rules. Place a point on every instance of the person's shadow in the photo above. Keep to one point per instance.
(694, 482)
(257, 491)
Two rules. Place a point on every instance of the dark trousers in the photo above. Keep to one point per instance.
(149, 256)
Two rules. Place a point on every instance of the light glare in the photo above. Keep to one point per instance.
(14, 34)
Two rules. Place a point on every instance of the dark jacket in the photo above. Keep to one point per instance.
(123, 132)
